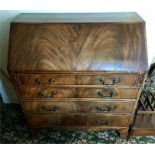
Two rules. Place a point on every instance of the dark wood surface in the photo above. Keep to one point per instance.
(78, 71)
(120, 93)
(113, 79)
(76, 79)
(95, 47)
(64, 107)
(40, 121)
(46, 79)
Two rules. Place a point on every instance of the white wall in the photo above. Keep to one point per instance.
(6, 88)
(143, 7)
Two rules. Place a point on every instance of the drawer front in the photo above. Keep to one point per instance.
(46, 79)
(109, 79)
(40, 107)
(108, 93)
(103, 93)
(47, 93)
(38, 121)
(66, 79)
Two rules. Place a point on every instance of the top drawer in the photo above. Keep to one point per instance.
(78, 79)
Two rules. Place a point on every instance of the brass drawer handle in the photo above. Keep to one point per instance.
(113, 93)
(42, 94)
(104, 109)
(53, 93)
(77, 28)
(100, 122)
(49, 82)
(53, 109)
(37, 82)
(115, 82)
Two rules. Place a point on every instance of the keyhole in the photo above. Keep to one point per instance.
(77, 28)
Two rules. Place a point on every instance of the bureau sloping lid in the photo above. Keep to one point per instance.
(102, 46)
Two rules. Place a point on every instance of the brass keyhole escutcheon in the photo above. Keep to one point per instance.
(77, 28)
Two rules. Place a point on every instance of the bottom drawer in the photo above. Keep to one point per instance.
(38, 121)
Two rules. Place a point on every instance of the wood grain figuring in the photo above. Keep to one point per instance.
(36, 121)
(121, 93)
(75, 79)
(34, 92)
(50, 107)
(96, 47)
(80, 71)
(46, 79)
(128, 79)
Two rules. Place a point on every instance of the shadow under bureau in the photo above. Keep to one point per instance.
(78, 71)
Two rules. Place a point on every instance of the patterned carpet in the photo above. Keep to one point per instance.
(14, 130)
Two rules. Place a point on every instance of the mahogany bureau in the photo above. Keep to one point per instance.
(78, 71)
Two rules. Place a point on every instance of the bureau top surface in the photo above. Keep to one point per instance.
(127, 17)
